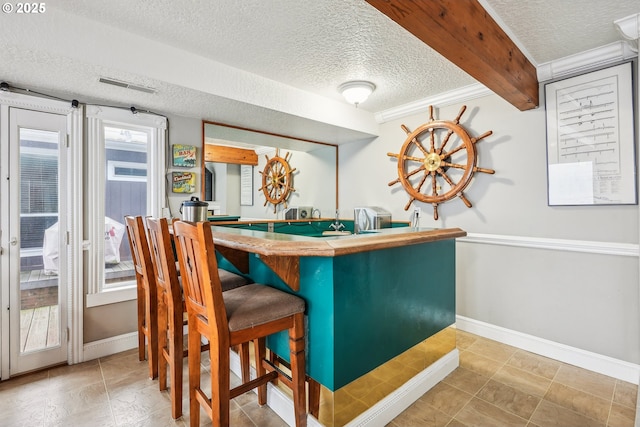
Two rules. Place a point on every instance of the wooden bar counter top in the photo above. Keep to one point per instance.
(266, 243)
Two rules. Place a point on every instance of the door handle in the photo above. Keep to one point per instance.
(14, 241)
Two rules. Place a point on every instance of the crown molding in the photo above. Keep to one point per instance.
(629, 29)
(456, 96)
(585, 61)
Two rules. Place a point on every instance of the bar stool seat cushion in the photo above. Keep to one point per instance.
(231, 280)
(253, 305)
(228, 280)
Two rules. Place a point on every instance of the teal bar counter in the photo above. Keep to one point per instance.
(370, 297)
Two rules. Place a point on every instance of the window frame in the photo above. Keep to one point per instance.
(98, 118)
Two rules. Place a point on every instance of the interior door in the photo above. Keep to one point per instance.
(37, 240)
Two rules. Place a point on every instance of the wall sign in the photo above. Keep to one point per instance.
(184, 155)
(590, 139)
(183, 182)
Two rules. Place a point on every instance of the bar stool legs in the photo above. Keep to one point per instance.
(296, 353)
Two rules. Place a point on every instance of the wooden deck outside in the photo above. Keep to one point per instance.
(38, 279)
(117, 272)
(32, 279)
(39, 328)
(39, 321)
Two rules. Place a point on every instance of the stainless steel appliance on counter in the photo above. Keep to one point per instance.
(299, 212)
(370, 218)
(194, 210)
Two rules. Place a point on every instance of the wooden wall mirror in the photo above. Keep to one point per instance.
(233, 158)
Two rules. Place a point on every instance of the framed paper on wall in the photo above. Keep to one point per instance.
(590, 139)
(246, 185)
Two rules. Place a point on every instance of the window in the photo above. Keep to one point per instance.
(38, 192)
(126, 171)
(126, 160)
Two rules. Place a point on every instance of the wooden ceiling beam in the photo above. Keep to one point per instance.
(464, 33)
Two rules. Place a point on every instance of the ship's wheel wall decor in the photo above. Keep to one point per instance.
(277, 180)
(437, 161)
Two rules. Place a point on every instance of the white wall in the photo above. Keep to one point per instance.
(233, 190)
(220, 185)
(314, 182)
(585, 300)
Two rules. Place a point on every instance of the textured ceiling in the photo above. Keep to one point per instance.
(310, 46)
(554, 29)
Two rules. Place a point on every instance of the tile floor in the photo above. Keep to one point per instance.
(499, 385)
(495, 385)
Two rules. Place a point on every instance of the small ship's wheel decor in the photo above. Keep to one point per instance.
(277, 180)
(439, 153)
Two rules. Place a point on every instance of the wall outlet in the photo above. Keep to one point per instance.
(417, 212)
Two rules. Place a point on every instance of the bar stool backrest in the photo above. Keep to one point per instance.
(146, 291)
(202, 287)
(164, 261)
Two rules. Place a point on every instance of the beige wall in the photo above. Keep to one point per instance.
(111, 320)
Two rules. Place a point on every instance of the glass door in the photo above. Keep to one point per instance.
(37, 240)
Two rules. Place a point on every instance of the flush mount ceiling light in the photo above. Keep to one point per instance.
(356, 91)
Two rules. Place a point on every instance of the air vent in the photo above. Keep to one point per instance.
(127, 85)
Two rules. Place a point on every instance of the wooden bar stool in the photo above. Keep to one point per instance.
(172, 311)
(146, 292)
(248, 313)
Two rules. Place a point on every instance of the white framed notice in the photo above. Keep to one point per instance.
(246, 185)
(591, 139)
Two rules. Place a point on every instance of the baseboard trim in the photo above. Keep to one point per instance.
(383, 412)
(379, 414)
(601, 364)
(109, 346)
